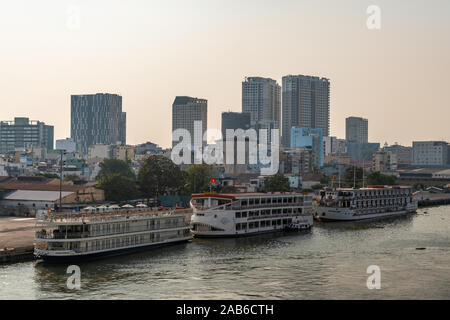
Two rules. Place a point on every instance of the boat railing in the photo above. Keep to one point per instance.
(271, 205)
(108, 216)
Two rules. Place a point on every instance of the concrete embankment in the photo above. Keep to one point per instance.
(16, 239)
(433, 199)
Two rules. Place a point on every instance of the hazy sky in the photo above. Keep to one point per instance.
(150, 51)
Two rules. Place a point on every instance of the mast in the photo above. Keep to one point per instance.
(60, 179)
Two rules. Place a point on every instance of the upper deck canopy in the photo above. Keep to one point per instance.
(236, 196)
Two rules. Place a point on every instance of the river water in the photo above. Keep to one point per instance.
(328, 262)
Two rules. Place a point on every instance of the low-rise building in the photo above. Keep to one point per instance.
(296, 161)
(37, 192)
(384, 161)
(431, 153)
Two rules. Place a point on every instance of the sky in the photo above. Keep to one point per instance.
(151, 51)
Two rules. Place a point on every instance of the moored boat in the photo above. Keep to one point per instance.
(346, 204)
(89, 235)
(243, 214)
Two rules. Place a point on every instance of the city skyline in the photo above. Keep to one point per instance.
(394, 76)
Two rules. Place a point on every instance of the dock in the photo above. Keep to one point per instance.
(428, 199)
(16, 239)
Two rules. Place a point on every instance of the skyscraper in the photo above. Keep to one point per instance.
(306, 104)
(97, 119)
(261, 98)
(356, 130)
(235, 120)
(187, 110)
(23, 133)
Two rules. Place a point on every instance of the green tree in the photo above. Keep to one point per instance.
(317, 187)
(198, 177)
(277, 183)
(71, 177)
(118, 187)
(229, 189)
(353, 174)
(378, 178)
(112, 166)
(159, 175)
(325, 180)
(48, 175)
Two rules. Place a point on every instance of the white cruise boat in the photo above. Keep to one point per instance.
(233, 215)
(79, 236)
(346, 204)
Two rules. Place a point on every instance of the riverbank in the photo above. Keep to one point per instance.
(429, 199)
(16, 239)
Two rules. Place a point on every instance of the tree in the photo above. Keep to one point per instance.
(48, 175)
(159, 175)
(277, 183)
(71, 177)
(112, 166)
(353, 174)
(198, 177)
(118, 187)
(378, 178)
(325, 180)
(229, 189)
(317, 186)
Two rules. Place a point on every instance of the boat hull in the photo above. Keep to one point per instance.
(331, 216)
(248, 234)
(106, 254)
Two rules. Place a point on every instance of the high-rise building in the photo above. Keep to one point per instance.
(97, 119)
(23, 133)
(306, 104)
(186, 111)
(356, 130)
(312, 138)
(234, 121)
(431, 153)
(123, 128)
(261, 97)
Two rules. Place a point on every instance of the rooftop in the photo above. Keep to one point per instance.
(34, 195)
(37, 183)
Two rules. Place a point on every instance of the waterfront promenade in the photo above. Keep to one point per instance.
(16, 238)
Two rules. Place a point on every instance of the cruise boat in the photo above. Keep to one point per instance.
(243, 214)
(346, 204)
(87, 235)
